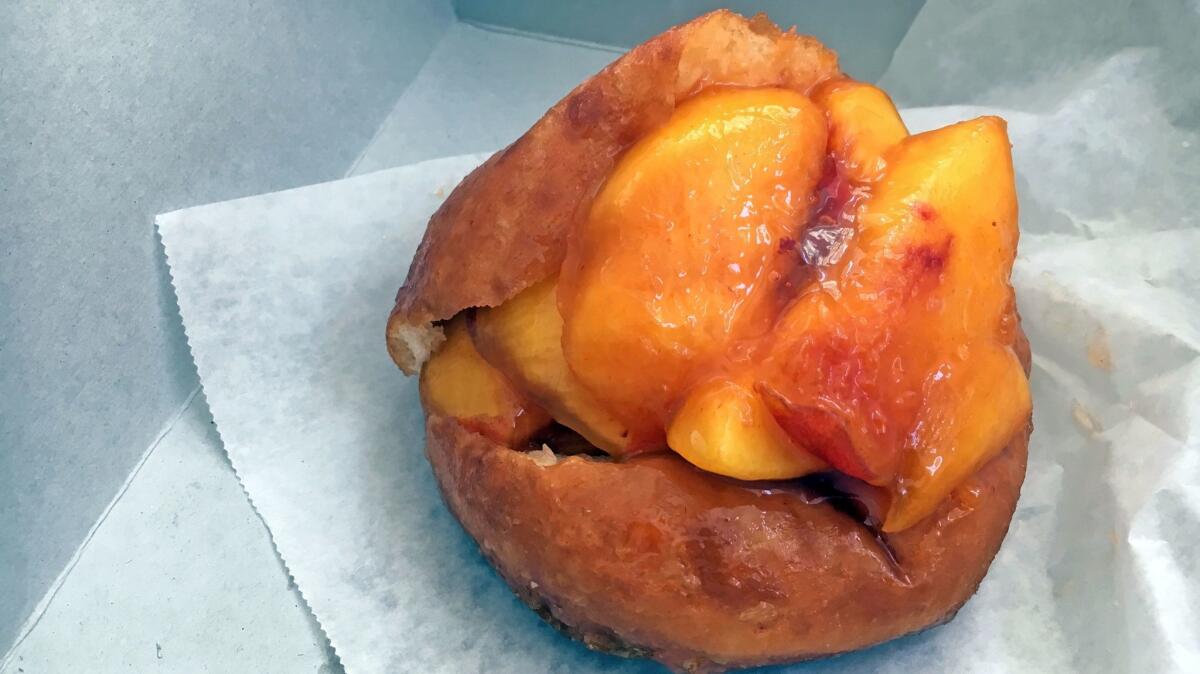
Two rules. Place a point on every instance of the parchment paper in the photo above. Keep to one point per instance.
(284, 298)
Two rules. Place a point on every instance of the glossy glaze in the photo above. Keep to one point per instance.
(679, 257)
(849, 287)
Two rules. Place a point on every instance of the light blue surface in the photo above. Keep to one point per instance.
(109, 114)
(179, 577)
(484, 89)
(864, 32)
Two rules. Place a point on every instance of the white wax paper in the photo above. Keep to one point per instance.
(284, 298)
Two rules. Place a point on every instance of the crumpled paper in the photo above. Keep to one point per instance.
(284, 298)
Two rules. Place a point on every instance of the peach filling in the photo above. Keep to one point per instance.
(772, 285)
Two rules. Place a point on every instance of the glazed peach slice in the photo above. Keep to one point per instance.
(680, 253)
(724, 427)
(863, 125)
(976, 394)
(861, 368)
(967, 418)
(523, 339)
(457, 382)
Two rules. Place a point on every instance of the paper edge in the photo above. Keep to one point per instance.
(159, 221)
(172, 219)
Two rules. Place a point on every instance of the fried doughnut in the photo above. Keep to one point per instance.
(637, 551)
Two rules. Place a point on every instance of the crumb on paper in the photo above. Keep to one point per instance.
(1084, 419)
(1098, 352)
(440, 192)
(544, 456)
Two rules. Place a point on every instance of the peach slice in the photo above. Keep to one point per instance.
(681, 252)
(724, 428)
(523, 339)
(819, 431)
(863, 124)
(922, 290)
(968, 418)
(457, 382)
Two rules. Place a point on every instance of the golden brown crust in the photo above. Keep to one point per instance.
(652, 557)
(517, 208)
(704, 574)
(655, 558)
